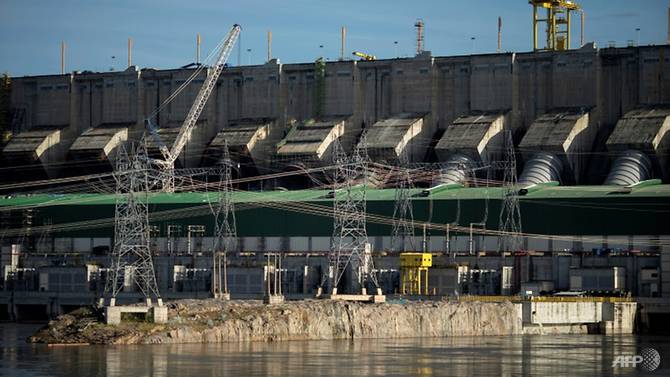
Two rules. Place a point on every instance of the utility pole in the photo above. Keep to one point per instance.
(197, 48)
(581, 28)
(343, 37)
(62, 57)
(637, 36)
(499, 34)
(239, 50)
(130, 52)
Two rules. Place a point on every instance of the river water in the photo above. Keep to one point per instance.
(542, 355)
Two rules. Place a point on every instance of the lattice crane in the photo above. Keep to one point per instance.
(170, 155)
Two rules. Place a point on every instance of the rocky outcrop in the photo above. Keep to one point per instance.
(210, 321)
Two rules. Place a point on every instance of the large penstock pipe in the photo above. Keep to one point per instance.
(630, 168)
(456, 170)
(541, 168)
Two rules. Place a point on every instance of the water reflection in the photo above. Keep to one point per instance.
(585, 355)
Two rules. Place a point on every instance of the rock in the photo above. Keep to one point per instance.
(211, 321)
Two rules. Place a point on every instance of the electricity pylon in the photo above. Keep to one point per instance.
(403, 215)
(350, 252)
(131, 256)
(226, 229)
(510, 212)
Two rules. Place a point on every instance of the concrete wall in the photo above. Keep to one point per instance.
(613, 318)
(45, 99)
(558, 313)
(612, 81)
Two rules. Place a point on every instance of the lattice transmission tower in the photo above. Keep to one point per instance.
(403, 214)
(510, 212)
(226, 229)
(350, 259)
(131, 257)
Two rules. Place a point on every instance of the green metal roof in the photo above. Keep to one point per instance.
(549, 192)
(601, 210)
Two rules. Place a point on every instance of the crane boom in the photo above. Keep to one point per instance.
(200, 101)
(166, 165)
(364, 56)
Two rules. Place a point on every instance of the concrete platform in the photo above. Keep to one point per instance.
(359, 298)
(159, 314)
(273, 299)
(222, 296)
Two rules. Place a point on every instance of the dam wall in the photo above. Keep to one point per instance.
(605, 83)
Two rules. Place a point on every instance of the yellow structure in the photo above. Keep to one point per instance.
(364, 56)
(558, 21)
(414, 272)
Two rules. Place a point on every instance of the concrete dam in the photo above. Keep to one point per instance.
(580, 117)
(588, 129)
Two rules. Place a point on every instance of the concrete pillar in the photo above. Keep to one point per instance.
(160, 314)
(306, 276)
(112, 315)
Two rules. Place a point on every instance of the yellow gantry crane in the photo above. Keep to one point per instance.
(558, 20)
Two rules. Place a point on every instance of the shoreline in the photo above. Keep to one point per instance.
(211, 321)
(215, 321)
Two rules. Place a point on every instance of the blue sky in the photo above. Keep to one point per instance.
(164, 31)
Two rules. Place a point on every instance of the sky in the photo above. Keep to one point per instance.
(164, 31)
